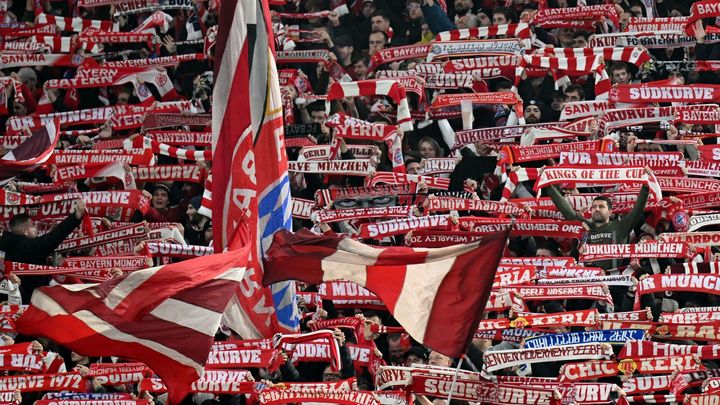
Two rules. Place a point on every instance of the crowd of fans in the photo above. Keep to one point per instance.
(355, 34)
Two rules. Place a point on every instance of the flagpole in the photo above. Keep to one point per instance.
(452, 386)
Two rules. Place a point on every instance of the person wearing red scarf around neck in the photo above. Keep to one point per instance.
(160, 209)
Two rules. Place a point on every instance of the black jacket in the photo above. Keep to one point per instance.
(20, 248)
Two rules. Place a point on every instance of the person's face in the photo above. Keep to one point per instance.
(483, 20)
(462, 6)
(414, 11)
(370, 335)
(19, 109)
(397, 351)
(360, 69)
(580, 42)
(600, 212)
(649, 147)
(123, 99)
(636, 11)
(620, 76)
(427, 150)
(676, 13)
(368, 9)
(679, 78)
(329, 375)
(437, 359)
(379, 23)
(565, 37)
(31, 82)
(542, 252)
(532, 114)
(413, 359)
(466, 21)
(77, 358)
(318, 116)
(377, 43)
(192, 214)
(499, 19)
(208, 234)
(160, 199)
(29, 229)
(345, 51)
(557, 104)
(413, 168)
(572, 96)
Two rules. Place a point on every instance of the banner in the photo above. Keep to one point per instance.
(593, 252)
(501, 359)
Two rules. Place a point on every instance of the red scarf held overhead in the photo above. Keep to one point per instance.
(699, 11)
(598, 175)
(520, 154)
(596, 13)
(650, 93)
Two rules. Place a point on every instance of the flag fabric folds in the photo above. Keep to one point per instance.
(250, 177)
(32, 153)
(164, 316)
(437, 295)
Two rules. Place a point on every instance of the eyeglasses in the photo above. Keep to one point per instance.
(413, 6)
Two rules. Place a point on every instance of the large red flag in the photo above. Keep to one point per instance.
(164, 316)
(437, 295)
(250, 176)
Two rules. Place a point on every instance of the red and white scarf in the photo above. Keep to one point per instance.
(348, 127)
(329, 216)
(699, 11)
(585, 318)
(174, 250)
(402, 178)
(700, 283)
(593, 252)
(326, 335)
(644, 348)
(315, 56)
(598, 175)
(168, 150)
(595, 13)
(75, 24)
(395, 54)
(114, 170)
(563, 66)
(501, 359)
(656, 93)
(520, 30)
(456, 49)
(93, 262)
(44, 382)
(524, 227)
(655, 24)
(460, 204)
(101, 238)
(380, 230)
(186, 173)
(635, 55)
(609, 368)
(595, 292)
(356, 167)
(511, 154)
(388, 88)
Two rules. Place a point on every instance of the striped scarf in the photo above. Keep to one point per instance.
(562, 67)
(390, 88)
